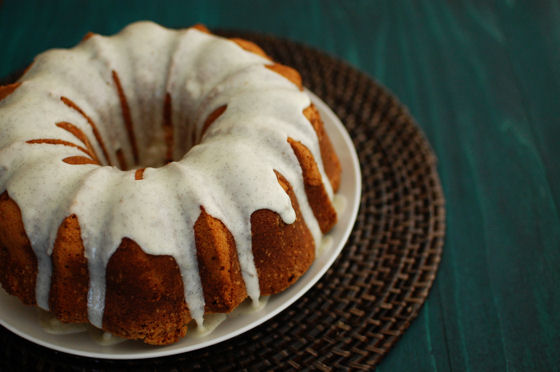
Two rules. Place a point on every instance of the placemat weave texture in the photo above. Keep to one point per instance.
(374, 290)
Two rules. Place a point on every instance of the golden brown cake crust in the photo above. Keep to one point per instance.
(331, 163)
(218, 264)
(314, 189)
(250, 47)
(18, 264)
(6, 90)
(70, 275)
(144, 296)
(282, 252)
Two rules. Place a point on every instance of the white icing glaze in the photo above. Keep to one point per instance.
(50, 324)
(231, 175)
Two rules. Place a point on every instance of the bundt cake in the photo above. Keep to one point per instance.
(153, 176)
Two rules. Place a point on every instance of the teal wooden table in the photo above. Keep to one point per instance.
(483, 82)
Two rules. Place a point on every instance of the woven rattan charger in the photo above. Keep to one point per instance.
(369, 297)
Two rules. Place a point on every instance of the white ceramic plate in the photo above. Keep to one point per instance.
(24, 320)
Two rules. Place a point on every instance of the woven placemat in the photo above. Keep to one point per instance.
(369, 297)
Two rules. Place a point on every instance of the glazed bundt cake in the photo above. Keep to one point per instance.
(153, 176)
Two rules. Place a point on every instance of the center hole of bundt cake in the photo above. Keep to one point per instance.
(153, 146)
(150, 137)
(161, 140)
(165, 142)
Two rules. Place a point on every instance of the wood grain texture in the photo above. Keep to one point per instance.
(483, 82)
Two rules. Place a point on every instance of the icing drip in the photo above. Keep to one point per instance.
(230, 176)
